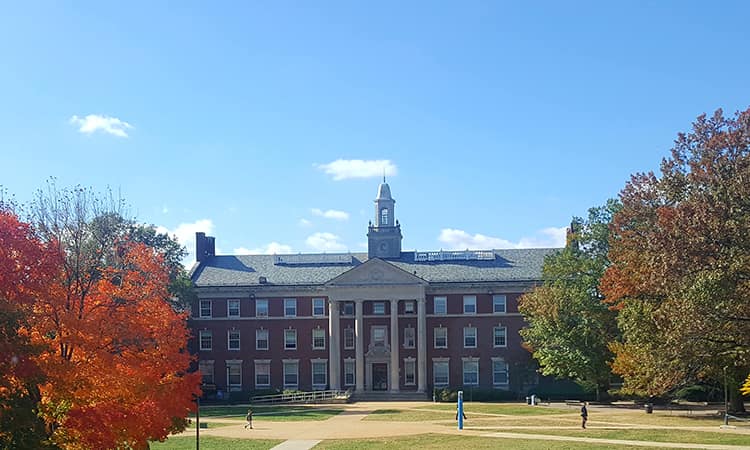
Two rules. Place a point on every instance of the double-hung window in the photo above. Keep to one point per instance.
(319, 307)
(410, 370)
(290, 339)
(233, 308)
(440, 306)
(261, 308)
(348, 338)
(440, 372)
(470, 337)
(262, 372)
(499, 372)
(378, 336)
(500, 336)
(319, 374)
(409, 307)
(206, 368)
(441, 337)
(261, 339)
(349, 366)
(378, 308)
(291, 373)
(471, 371)
(318, 339)
(233, 340)
(206, 339)
(409, 337)
(499, 305)
(290, 307)
(234, 375)
(205, 308)
(470, 304)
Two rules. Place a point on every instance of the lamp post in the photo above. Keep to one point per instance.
(198, 424)
(726, 398)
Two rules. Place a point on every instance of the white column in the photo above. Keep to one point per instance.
(421, 345)
(359, 329)
(395, 381)
(334, 345)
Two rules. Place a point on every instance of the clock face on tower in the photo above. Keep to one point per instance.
(383, 246)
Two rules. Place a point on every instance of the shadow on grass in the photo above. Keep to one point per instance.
(387, 411)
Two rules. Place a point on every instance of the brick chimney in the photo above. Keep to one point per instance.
(205, 246)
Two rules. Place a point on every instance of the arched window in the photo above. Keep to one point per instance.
(384, 216)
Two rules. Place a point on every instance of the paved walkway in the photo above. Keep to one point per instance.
(304, 435)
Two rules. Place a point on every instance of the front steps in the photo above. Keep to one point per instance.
(386, 396)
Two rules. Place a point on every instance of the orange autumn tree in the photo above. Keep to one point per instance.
(116, 365)
(26, 267)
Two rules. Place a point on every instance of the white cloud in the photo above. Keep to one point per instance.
(330, 214)
(185, 234)
(94, 122)
(461, 240)
(325, 242)
(304, 223)
(341, 169)
(273, 248)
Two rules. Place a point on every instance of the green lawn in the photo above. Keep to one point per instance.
(214, 443)
(513, 409)
(438, 441)
(671, 435)
(474, 411)
(271, 413)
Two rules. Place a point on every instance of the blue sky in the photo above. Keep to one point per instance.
(497, 121)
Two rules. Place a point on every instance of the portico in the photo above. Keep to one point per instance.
(377, 365)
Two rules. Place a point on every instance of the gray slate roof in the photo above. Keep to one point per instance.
(246, 270)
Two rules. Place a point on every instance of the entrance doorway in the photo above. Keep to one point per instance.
(379, 377)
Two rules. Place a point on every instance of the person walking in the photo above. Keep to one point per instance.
(584, 415)
(249, 418)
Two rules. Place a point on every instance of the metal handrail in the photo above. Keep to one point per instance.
(303, 397)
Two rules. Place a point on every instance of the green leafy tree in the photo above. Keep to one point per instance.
(680, 273)
(569, 327)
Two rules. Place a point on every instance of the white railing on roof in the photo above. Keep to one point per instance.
(460, 255)
(313, 259)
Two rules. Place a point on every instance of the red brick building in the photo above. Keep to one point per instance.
(387, 320)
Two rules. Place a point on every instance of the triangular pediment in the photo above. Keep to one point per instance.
(376, 271)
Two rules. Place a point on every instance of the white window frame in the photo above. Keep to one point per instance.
(495, 382)
(440, 362)
(410, 371)
(290, 303)
(230, 302)
(468, 334)
(317, 363)
(203, 310)
(231, 340)
(496, 303)
(435, 337)
(289, 332)
(258, 332)
(470, 304)
(259, 312)
(443, 302)
(206, 368)
(320, 303)
(353, 340)
(264, 364)
(471, 362)
(207, 334)
(495, 336)
(378, 308)
(234, 387)
(321, 334)
(347, 309)
(287, 364)
(350, 368)
(410, 337)
(409, 307)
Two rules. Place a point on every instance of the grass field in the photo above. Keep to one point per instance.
(214, 443)
(271, 413)
(439, 441)
(661, 435)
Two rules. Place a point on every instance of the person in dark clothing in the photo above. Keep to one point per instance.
(249, 419)
(584, 415)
